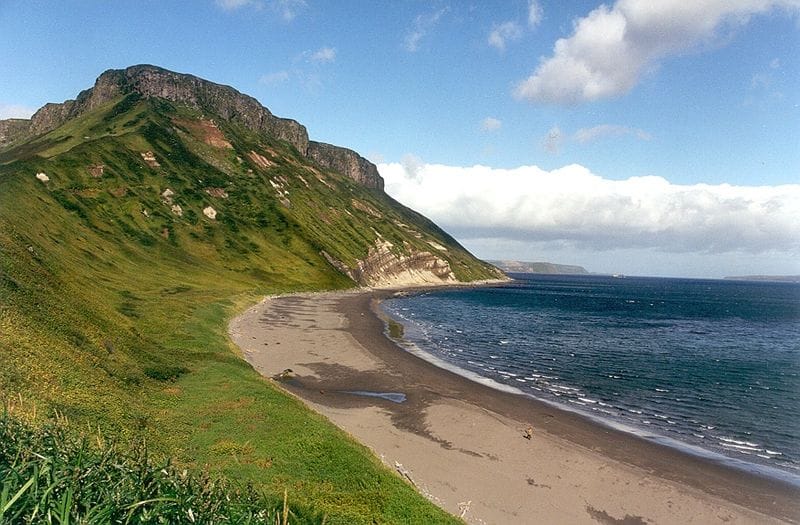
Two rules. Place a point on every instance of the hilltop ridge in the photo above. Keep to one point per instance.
(150, 81)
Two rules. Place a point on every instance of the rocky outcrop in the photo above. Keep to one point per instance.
(154, 82)
(151, 81)
(384, 267)
(346, 162)
(12, 129)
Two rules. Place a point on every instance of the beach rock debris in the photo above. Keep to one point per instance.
(404, 472)
(286, 375)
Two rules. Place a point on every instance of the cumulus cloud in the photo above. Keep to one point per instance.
(322, 55)
(575, 207)
(491, 124)
(504, 32)
(423, 24)
(15, 111)
(612, 47)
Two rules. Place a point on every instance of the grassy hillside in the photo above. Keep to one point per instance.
(114, 302)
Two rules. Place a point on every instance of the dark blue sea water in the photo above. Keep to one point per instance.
(710, 366)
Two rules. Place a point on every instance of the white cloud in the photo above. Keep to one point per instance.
(15, 111)
(288, 9)
(574, 207)
(230, 5)
(325, 54)
(491, 124)
(612, 47)
(555, 138)
(535, 13)
(586, 135)
(423, 24)
(273, 79)
(504, 32)
(553, 141)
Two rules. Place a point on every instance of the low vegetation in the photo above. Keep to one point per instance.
(113, 314)
(51, 475)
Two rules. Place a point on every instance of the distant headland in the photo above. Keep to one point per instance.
(539, 267)
(773, 278)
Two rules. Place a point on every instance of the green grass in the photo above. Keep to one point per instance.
(50, 474)
(117, 318)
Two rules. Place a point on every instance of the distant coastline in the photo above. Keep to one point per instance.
(539, 267)
(769, 278)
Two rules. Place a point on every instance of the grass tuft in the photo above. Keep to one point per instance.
(51, 475)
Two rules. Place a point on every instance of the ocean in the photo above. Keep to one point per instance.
(708, 366)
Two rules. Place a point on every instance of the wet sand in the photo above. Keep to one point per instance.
(462, 443)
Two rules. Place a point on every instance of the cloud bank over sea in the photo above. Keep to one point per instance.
(574, 207)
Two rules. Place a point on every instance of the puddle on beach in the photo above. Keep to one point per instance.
(394, 397)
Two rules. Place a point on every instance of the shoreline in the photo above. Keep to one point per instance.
(462, 442)
(759, 470)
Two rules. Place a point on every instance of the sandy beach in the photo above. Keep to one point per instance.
(462, 444)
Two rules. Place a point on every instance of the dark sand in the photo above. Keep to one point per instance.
(462, 442)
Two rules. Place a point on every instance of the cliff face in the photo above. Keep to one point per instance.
(384, 268)
(224, 101)
(12, 129)
(347, 162)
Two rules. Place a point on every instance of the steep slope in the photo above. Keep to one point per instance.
(162, 126)
(137, 218)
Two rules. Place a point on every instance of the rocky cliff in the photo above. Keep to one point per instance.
(12, 129)
(347, 162)
(188, 90)
(385, 267)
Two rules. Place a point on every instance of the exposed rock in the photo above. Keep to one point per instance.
(347, 162)
(97, 170)
(217, 192)
(260, 160)
(42, 177)
(166, 196)
(207, 131)
(177, 210)
(437, 246)
(363, 206)
(210, 212)
(384, 268)
(12, 129)
(150, 158)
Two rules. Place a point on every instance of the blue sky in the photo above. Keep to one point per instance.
(638, 137)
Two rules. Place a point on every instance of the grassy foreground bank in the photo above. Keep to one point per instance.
(129, 236)
(215, 415)
(127, 335)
